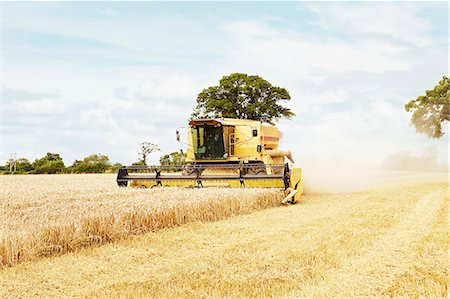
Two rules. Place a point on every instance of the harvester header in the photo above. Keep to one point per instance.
(225, 152)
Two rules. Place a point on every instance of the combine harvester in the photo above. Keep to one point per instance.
(225, 152)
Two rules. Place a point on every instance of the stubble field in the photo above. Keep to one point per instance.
(389, 241)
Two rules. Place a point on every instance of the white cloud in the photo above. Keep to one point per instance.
(43, 107)
(175, 86)
(398, 20)
(113, 120)
(249, 28)
(256, 44)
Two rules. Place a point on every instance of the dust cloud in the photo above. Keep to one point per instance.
(406, 161)
(335, 175)
(339, 175)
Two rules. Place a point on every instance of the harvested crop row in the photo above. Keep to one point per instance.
(47, 215)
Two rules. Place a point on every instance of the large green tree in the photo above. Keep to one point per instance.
(431, 111)
(245, 97)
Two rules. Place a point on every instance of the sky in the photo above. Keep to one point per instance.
(100, 77)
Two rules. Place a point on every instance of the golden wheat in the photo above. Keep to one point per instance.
(46, 215)
(380, 243)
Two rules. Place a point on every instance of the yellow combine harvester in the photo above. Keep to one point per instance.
(225, 152)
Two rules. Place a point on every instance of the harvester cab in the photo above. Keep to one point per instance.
(225, 152)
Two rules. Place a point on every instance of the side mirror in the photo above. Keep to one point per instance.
(178, 135)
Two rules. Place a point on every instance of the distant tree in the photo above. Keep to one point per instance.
(139, 163)
(22, 165)
(165, 160)
(173, 159)
(431, 111)
(145, 149)
(96, 163)
(115, 167)
(50, 163)
(51, 167)
(245, 97)
(96, 158)
(47, 158)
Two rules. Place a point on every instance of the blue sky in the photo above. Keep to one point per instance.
(82, 78)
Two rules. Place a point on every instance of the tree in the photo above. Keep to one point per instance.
(96, 158)
(96, 163)
(50, 167)
(50, 163)
(145, 149)
(47, 158)
(245, 97)
(22, 165)
(431, 111)
(115, 167)
(173, 159)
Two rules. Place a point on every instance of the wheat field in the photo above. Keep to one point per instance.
(387, 242)
(46, 215)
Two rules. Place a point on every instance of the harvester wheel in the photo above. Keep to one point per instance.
(122, 184)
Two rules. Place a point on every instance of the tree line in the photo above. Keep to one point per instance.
(52, 163)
